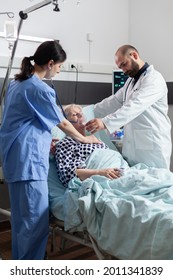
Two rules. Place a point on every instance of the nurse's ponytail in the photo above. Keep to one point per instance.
(49, 50)
(27, 69)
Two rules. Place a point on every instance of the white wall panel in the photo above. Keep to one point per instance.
(150, 30)
(106, 20)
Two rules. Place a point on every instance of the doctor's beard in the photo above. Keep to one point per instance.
(134, 69)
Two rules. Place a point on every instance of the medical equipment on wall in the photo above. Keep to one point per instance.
(118, 80)
(76, 84)
(117, 139)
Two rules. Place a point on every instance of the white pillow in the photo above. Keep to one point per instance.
(89, 114)
(57, 133)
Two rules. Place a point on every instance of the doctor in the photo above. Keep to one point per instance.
(141, 107)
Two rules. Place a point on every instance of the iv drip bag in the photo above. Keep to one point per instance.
(10, 30)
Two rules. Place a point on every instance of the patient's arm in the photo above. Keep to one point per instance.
(111, 173)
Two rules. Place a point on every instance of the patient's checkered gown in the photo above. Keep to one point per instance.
(71, 155)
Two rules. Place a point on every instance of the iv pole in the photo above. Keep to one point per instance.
(23, 15)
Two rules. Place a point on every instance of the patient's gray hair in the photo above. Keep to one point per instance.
(69, 108)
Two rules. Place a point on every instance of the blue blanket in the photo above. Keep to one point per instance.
(130, 217)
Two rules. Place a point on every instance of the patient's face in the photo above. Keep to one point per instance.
(76, 117)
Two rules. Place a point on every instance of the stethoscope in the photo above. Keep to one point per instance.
(57, 99)
(59, 103)
(132, 80)
(125, 93)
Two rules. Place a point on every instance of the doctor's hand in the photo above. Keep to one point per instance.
(94, 125)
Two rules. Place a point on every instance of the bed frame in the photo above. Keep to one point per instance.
(82, 237)
(56, 227)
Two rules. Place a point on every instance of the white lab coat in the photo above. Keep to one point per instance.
(142, 111)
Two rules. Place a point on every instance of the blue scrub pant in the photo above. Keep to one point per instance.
(29, 220)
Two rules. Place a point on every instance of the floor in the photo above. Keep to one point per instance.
(73, 252)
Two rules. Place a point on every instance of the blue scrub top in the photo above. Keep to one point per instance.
(30, 112)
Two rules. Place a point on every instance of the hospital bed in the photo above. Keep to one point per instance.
(127, 218)
(76, 235)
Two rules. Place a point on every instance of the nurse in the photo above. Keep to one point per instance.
(141, 107)
(30, 113)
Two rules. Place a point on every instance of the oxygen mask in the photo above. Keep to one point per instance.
(78, 118)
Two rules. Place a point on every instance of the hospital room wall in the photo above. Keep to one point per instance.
(98, 19)
(144, 23)
(150, 30)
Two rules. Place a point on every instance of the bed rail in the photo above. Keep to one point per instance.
(81, 237)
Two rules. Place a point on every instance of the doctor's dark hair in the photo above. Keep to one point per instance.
(49, 50)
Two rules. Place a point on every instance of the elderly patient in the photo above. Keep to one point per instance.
(70, 155)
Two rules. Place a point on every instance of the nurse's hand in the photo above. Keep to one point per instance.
(71, 131)
(94, 125)
(92, 139)
(53, 145)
